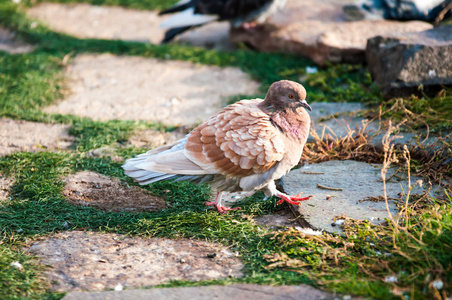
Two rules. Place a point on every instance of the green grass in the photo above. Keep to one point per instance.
(351, 265)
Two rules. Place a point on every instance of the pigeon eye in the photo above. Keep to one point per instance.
(291, 96)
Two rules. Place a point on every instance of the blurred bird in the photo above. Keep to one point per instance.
(245, 147)
(194, 13)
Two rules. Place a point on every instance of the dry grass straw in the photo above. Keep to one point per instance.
(407, 254)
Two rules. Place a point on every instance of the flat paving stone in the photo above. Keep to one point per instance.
(117, 23)
(18, 135)
(107, 87)
(337, 119)
(109, 194)
(89, 261)
(358, 180)
(5, 186)
(100, 22)
(235, 291)
(11, 44)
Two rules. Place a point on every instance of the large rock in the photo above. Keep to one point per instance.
(319, 30)
(400, 64)
(345, 189)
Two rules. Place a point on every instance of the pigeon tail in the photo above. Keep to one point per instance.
(173, 32)
(187, 18)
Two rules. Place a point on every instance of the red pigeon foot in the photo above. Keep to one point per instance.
(294, 200)
(221, 209)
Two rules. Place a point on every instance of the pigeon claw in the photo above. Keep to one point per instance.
(294, 200)
(221, 209)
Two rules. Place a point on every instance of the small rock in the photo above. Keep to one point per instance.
(390, 279)
(339, 222)
(400, 63)
(438, 284)
(309, 231)
(16, 265)
(119, 287)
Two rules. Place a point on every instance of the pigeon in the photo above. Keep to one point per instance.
(245, 147)
(194, 13)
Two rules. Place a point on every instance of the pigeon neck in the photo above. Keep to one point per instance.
(292, 123)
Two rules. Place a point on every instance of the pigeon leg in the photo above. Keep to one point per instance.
(221, 209)
(295, 200)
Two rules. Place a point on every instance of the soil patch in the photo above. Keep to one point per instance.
(109, 194)
(107, 87)
(5, 186)
(95, 261)
(18, 135)
(11, 44)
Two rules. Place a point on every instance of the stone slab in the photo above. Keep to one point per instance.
(109, 194)
(117, 23)
(18, 135)
(236, 291)
(11, 44)
(100, 22)
(358, 180)
(90, 261)
(400, 63)
(319, 30)
(108, 87)
(337, 119)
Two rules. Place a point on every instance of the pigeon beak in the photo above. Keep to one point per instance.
(305, 105)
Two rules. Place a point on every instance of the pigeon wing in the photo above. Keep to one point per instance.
(239, 141)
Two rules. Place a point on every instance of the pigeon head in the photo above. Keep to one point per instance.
(285, 94)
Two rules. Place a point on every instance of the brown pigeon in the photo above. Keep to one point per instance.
(245, 147)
